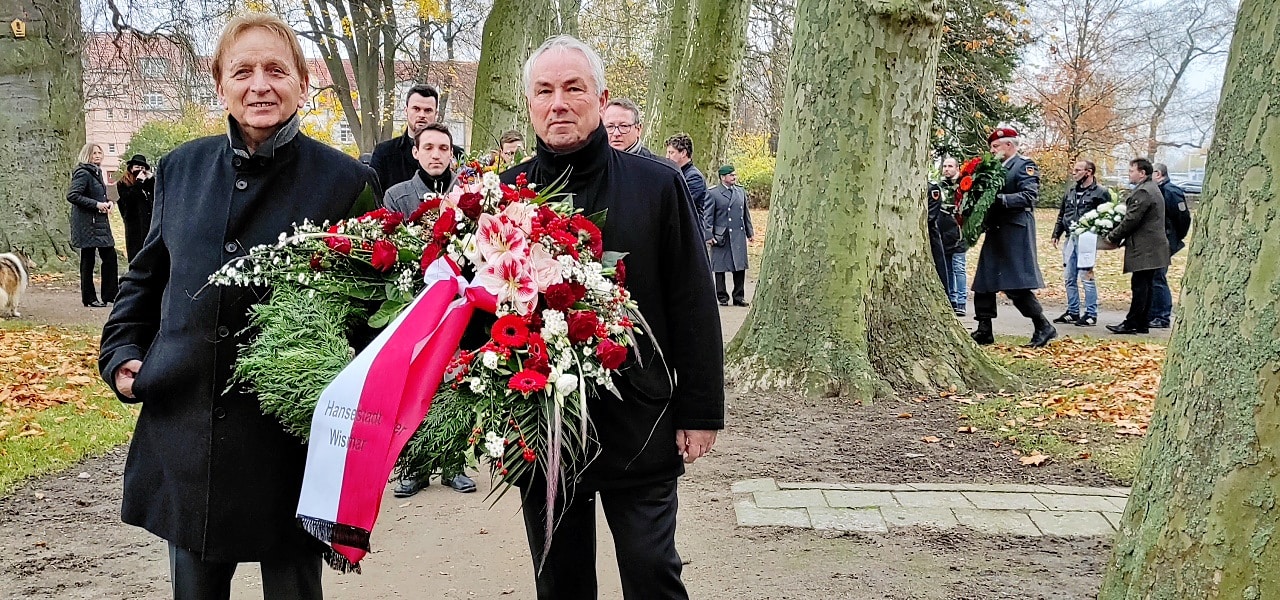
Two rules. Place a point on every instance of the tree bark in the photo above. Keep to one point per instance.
(512, 31)
(1202, 519)
(703, 99)
(41, 126)
(670, 50)
(849, 302)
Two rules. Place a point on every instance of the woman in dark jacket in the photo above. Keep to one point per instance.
(91, 227)
(136, 188)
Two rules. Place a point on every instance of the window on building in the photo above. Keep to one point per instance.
(344, 134)
(111, 113)
(111, 149)
(153, 101)
(153, 66)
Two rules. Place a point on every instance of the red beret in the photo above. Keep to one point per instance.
(1001, 133)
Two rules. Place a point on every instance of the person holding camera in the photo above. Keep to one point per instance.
(91, 226)
(136, 188)
(728, 225)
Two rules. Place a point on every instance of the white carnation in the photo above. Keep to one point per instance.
(490, 360)
(566, 384)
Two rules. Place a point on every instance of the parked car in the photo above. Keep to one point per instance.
(1190, 187)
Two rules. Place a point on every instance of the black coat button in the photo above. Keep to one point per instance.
(241, 184)
(219, 412)
(231, 247)
(237, 161)
(223, 331)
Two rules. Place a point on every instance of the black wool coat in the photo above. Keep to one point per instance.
(1141, 232)
(135, 210)
(206, 469)
(90, 227)
(393, 161)
(1008, 259)
(650, 217)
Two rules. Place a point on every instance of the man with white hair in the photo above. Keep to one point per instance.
(1008, 260)
(672, 400)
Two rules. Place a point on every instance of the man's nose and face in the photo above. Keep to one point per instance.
(434, 152)
(676, 156)
(420, 111)
(730, 179)
(564, 105)
(950, 169)
(1136, 175)
(623, 129)
(509, 151)
(1079, 172)
(1003, 148)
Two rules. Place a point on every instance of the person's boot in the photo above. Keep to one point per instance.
(983, 334)
(1043, 333)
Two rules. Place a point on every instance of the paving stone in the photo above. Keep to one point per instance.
(1071, 523)
(754, 485)
(867, 520)
(1024, 488)
(790, 499)
(879, 487)
(859, 499)
(932, 500)
(1004, 501)
(1120, 491)
(939, 518)
(1063, 502)
(1076, 490)
(750, 515)
(1117, 502)
(1002, 522)
(946, 487)
(811, 486)
(1114, 519)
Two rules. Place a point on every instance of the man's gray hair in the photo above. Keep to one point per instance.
(563, 43)
(628, 104)
(1162, 169)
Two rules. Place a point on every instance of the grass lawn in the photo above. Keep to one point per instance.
(54, 409)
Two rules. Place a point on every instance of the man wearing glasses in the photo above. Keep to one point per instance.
(622, 122)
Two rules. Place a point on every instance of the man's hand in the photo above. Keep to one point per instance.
(125, 376)
(104, 207)
(1105, 244)
(693, 444)
(1055, 242)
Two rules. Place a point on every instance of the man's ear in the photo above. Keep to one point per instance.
(305, 83)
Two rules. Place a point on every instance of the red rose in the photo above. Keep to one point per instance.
(620, 272)
(611, 354)
(317, 262)
(424, 208)
(385, 255)
(443, 229)
(469, 204)
(430, 254)
(559, 296)
(966, 183)
(527, 382)
(510, 331)
(392, 221)
(546, 215)
(582, 325)
(339, 244)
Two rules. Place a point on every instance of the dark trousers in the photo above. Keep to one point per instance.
(109, 274)
(739, 287)
(293, 578)
(984, 304)
(643, 523)
(1161, 296)
(1141, 284)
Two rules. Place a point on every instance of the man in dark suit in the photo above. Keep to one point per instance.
(207, 470)
(672, 403)
(680, 152)
(1146, 249)
(393, 159)
(1008, 260)
(1177, 222)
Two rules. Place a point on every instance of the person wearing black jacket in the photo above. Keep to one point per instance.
(136, 189)
(91, 226)
(1177, 222)
(1084, 196)
(393, 159)
(207, 471)
(953, 245)
(672, 401)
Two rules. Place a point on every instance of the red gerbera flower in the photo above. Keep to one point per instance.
(511, 331)
(527, 382)
(966, 183)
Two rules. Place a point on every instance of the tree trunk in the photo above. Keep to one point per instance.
(849, 301)
(1202, 520)
(41, 126)
(568, 11)
(703, 100)
(670, 50)
(511, 33)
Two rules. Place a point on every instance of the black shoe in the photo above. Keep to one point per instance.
(1067, 317)
(407, 487)
(1086, 321)
(959, 311)
(983, 335)
(1158, 324)
(1043, 333)
(96, 304)
(724, 303)
(742, 304)
(1125, 329)
(461, 483)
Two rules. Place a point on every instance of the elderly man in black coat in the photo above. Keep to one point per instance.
(1008, 260)
(207, 471)
(672, 401)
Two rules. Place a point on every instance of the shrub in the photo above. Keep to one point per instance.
(758, 187)
(749, 153)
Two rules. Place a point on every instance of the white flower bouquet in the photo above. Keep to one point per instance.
(1100, 221)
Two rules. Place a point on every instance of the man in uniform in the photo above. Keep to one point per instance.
(728, 231)
(1008, 260)
(1177, 222)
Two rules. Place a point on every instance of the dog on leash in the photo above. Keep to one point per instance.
(15, 276)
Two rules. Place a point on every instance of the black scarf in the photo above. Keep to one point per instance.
(437, 183)
(587, 166)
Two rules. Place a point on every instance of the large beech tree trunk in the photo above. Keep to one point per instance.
(849, 301)
(41, 126)
(512, 31)
(1203, 519)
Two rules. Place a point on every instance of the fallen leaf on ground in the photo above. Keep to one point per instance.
(967, 430)
(904, 415)
(931, 439)
(1034, 459)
